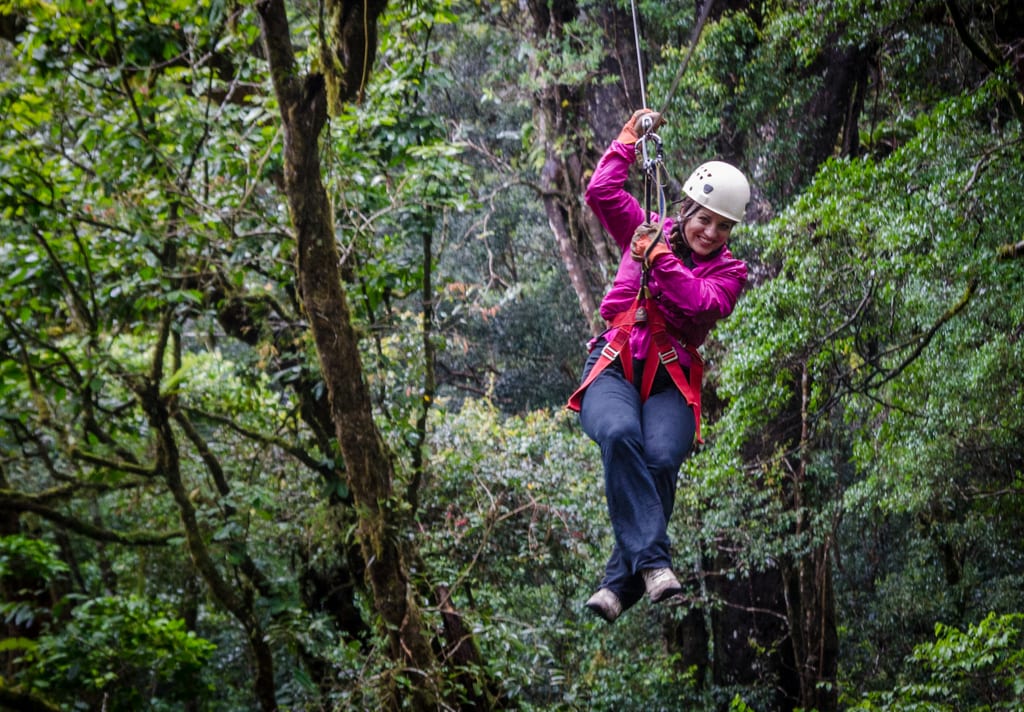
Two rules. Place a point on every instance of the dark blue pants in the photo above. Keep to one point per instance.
(642, 448)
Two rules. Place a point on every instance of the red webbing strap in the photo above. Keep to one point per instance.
(661, 351)
(612, 350)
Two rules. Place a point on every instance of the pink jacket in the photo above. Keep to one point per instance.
(691, 300)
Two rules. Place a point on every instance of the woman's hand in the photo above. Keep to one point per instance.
(643, 247)
(642, 121)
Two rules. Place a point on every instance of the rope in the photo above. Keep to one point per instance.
(705, 11)
(639, 61)
(698, 28)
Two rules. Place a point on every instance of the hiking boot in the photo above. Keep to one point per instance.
(605, 604)
(660, 584)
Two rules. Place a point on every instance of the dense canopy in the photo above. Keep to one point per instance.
(293, 294)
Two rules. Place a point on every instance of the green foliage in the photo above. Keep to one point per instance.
(515, 525)
(529, 340)
(900, 234)
(27, 568)
(752, 85)
(711, 88)
(30, 558)
(864, 399)
(889, 306)
(421, 167)
(520, 491)
(981, 668)
(122, 654)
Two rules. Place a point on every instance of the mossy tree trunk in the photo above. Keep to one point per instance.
(304, 106)
(575, 122)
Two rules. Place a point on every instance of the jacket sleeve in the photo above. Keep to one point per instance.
(619, 211)
(704, 298)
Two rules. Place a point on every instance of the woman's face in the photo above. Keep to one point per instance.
(707, 231)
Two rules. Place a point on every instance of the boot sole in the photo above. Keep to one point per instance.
(666, 594)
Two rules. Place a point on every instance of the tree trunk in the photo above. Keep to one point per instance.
(810, 599)
(812, 629)
(688, 637)
(563, 114)
(749, 632)
(304, 104)
(835, 109)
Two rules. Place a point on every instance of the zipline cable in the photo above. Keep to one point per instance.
(698, 28)
(639, 60)
(653, 166)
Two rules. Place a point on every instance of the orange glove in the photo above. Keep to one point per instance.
(643, 236)
(635, 128)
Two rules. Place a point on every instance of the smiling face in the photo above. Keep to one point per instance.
(706, 231)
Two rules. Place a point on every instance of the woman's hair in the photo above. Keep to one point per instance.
(687, 209)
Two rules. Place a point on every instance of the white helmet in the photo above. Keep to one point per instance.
(720, 187)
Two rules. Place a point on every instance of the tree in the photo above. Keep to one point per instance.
(573, 111)
(304, 102)
(175, 465)
(101, 292)
(863, 354)
(145, 185)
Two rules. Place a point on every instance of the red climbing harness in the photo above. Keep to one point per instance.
(660, 352)
(642, 310)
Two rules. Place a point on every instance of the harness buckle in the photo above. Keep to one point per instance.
(669, 356)
(609, 353)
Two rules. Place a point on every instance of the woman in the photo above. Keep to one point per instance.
(640, 395)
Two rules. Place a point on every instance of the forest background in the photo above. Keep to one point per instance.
(293, 294)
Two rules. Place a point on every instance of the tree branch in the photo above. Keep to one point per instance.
(78, 453)
(970, 43)
(924, 339)
(979, 53)
(19, 502)
(1010, 250)
(299, 453)
(277, 43)
(213, 465)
